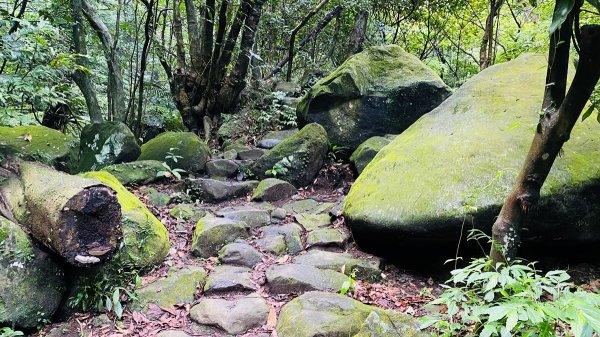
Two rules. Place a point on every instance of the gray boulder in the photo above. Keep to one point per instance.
(379, 91)
(272, 189)
(211, 190)
(192, 153)
(366, 151)
(211, 234)
(321, 314)
(297, 159)
(456, 165)
(104, 144)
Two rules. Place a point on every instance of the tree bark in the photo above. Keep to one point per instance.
(148, 33)
(357, 38)
(81, 78)
(77, 218)
(554, 129)
(116, 91)
(313, 35)
(295, 32)
(488, 42)
(193, 35)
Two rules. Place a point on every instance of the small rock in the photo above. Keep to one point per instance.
(291, 233)
(230, 154)
(222, 168)
(308, 206)
(157, 198)
(211, 190)
(365, 269)
(228, 278)
(241, 254)
(311, 222)
(211, 234)
(272, 189)
(177, 288)
(250, 154)
(235, 317)
(366, 151)
(253, 217)
(186, 212)
(101, 321)
(287, 278)
(273, 138)
(273, 244)
(326, 237)
(279, 213)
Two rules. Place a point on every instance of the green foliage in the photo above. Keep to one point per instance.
(171, 172)
(348, 285)
(487, 299)
(107, 292)
(281, 167)
(8, 332)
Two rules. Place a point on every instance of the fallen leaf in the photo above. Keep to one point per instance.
(27, 137)
(272, 319)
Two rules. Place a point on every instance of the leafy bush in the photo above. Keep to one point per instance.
(487, 299)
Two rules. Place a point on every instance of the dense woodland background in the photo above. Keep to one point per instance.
(136, 61)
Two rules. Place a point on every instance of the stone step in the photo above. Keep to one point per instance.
(298, 278)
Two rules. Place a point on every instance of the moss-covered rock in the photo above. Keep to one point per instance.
(366, 151)
(458, 163)
(379, 91)
(297, 159)
(211, 234)
(179, 287)
(145, 238)
(31, 284)
(104, 144)
(39, 143)
(137, 172)
(162, 120)
(321, 314)
(190, 147)
(272, 189)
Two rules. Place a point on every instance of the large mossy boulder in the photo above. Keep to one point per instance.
(104, 144)
(39, 143)
(379, 91)
(455, 166)
(31, 284)
(145, 238)
(193, 151)
(297, 159)
(321, 314)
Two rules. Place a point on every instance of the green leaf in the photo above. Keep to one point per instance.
(587, 113)
(595, 3)
(512, 320)
(497, 313)
(563, 8)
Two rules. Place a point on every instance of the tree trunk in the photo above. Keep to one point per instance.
(115, 92)
(148, 33)
(488, 42)
(357, 38)
(78, 218)
(553, 131)
(312, 36)
(293, 37)
(193, 35)
(233, 85)
(81, 78)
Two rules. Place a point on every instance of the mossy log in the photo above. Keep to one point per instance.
(77, 218)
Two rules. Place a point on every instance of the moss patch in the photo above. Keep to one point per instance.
(191, 148)
(38, 143)
(31, 285)
(145, 238)
(137, 172)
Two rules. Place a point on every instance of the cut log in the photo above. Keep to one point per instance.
(77, 218)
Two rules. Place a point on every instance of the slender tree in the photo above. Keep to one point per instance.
(560, 112)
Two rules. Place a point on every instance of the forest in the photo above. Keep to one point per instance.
(300, 168)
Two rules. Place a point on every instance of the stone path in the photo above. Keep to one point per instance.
(257, 259)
